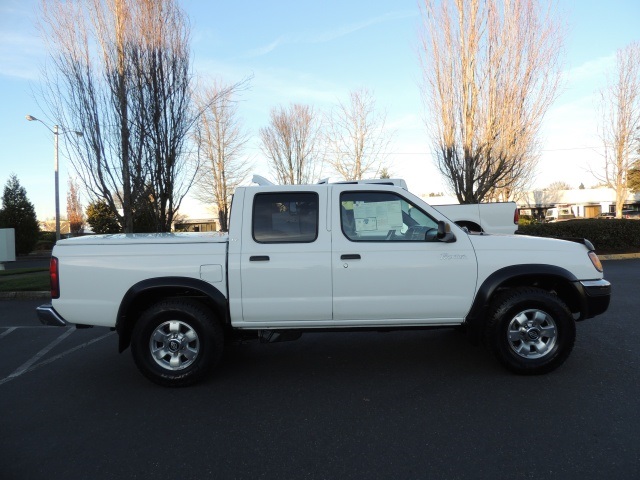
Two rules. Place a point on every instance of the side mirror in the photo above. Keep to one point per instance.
(444, 233)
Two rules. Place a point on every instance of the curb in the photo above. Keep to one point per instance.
(619, 256)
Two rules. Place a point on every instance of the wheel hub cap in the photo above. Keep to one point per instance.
(174, 345)
(532, 334)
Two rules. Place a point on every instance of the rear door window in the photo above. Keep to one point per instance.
(287, 217)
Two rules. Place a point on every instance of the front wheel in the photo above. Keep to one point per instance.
(175, 343)
(530, 331)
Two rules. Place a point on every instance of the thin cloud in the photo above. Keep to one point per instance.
(20, 55)
(330, 35)
(267, 48)
(354, 27)
(591, 69)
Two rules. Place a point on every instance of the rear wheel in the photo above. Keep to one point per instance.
(530, 331)
(175, 343)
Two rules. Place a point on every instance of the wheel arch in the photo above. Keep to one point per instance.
(147, 292)
(550, 278)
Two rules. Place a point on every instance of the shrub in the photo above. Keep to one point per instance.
(606, 235)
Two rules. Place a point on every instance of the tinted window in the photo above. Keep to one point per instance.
(285, 217)
(383, 216)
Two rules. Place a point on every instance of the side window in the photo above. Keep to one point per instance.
(384, 216)
(287, 217)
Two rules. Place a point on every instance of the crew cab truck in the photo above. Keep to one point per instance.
(327, 257)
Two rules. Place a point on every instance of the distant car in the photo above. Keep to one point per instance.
(631, 214)
(606, 216)
(558, 214)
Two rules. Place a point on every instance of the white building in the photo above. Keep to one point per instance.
(585, 203)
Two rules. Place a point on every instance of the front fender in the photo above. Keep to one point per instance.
(548, 277)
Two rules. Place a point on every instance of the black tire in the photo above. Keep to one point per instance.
(176, 342)
(530, 331)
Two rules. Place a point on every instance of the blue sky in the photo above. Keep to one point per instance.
(315, 53)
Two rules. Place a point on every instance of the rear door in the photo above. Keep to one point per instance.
(285, 264)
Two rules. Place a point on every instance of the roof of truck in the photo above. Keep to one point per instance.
(396, 182)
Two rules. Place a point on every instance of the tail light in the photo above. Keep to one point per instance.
(516, 216)
(54, 278)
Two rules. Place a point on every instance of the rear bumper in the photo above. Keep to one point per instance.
(48, 316)
(597, 296)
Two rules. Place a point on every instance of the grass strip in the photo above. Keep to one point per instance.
(19, 271)
(27, 282)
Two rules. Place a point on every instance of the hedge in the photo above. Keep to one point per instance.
(608, 236)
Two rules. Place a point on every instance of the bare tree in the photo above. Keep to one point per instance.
(357, 138)
(221, 140)
(558, 185)
(119, 72)
(291, 142)
(620, 109)
(490, 70)
(75, 213)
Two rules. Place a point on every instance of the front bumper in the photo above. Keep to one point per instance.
(597, 295)
(48, 316)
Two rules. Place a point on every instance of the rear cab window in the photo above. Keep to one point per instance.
(285, 217)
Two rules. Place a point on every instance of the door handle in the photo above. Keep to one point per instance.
(259, 258)
(350, 256)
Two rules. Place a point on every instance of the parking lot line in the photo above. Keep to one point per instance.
(71, 350)
(25, 366)
(7, 332)
(29, 366)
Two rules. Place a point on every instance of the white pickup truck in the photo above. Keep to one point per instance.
(327, 257)
(499, 217)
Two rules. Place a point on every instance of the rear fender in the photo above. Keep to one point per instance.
(143, 294)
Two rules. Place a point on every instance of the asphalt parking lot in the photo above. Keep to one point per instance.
(399, 405)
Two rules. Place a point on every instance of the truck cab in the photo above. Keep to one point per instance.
(344, 255)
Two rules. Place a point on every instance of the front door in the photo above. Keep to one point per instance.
(388, 264)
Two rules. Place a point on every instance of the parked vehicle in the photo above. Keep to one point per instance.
(559, 214)
(328, 257)
(498, 217)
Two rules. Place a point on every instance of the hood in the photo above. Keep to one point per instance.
(526, 243)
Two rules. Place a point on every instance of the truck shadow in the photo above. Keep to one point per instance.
(360, 355)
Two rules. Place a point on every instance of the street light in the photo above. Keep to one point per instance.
(31, 118)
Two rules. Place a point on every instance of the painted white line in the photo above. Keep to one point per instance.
(32, 367)
(7, 332)
(25, 366)
(71, 350)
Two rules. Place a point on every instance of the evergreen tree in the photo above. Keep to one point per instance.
(17, 212)
(101, 218)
